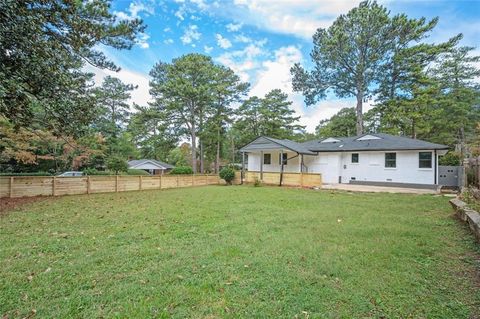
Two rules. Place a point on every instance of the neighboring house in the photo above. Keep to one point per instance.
(154, 167)
(369, 158)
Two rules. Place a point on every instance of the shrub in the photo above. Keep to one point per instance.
(93, 171)
(450, 159)
(227, 174)
(132, 171)
(257, 182)
(182, 170)
(27, 174)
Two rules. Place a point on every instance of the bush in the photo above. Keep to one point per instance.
(227, 174)
(450, 159)
(257, 182)
(182, 170)
(27, 174)
(132, 171)
(93, 171)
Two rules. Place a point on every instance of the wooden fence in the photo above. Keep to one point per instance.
(289, 179)
(27, 186)
(472, 172)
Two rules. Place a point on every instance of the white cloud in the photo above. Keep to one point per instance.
(243, 62)
(168, 41)
(200, 3)
(142, 40)
(275, 74)
(242, 38)
(207, 49)
(232, 27)
(135, 8)
(167, 29)
(297, 17)
(191, 34)
(140, 95)
(222, 42)
(180, 12)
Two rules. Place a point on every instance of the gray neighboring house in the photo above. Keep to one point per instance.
(152, 166)
(367, 158)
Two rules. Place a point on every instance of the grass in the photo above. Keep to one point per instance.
(215, 252)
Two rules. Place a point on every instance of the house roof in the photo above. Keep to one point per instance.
(140, 162)
(269, 143)
(364, 142)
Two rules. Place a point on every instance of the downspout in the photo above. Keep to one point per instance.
(281, 167)
(435, 169)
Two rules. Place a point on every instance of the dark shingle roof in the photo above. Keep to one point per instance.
(134, 163)
(384, 142)
(265, 142)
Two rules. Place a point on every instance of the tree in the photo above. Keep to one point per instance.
(187, 92)
(114, 110)
(347, 57)
(270, 116)
(460, 103)
(117, 164)
(151, 133)
(44, 45)
(341, 124)
(180, 156)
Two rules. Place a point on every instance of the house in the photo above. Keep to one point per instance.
(154, 167)
(375, 159)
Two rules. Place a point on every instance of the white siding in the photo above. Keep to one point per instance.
(292, 166)
(371, 166)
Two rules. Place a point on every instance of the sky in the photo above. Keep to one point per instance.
(261, 39)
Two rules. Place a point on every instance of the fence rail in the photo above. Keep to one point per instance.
(288, 179)
(28, 186)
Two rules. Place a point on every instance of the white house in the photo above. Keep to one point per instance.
(152, 166)
(366, 159)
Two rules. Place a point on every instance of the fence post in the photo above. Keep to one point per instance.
(88, 185)
(177, 180)
(193, 179)
(10, 192)
(116, 183)
(160, 182)
(54, 181)
(301, 179)
(140, 182)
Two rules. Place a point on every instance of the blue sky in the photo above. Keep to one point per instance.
(260, 39)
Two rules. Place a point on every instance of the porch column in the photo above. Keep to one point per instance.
(281, 167)
(261, 166)
(242, 174)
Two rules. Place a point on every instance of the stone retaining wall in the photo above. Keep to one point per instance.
(468, 215)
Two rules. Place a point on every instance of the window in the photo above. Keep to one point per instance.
(425, 160)
(267, 159)
(285, 157)
(354, 157)
(390, 159)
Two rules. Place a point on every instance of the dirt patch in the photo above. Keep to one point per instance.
(8, 204)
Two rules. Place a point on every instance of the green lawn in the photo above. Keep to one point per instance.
(238, 251)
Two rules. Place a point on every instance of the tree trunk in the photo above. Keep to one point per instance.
(217, 157)
(359, 111)
(194, 149)
(202, 168)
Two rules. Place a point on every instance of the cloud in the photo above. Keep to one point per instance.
(242, 38)
(191, 34)
(180, 13)
(207, 49)
(222, 42)
(232, 27)
(244, 62)
(274, 73)
(135, 8)
(297, 17)
(168, 41)
(140, 95)
(142, 40)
